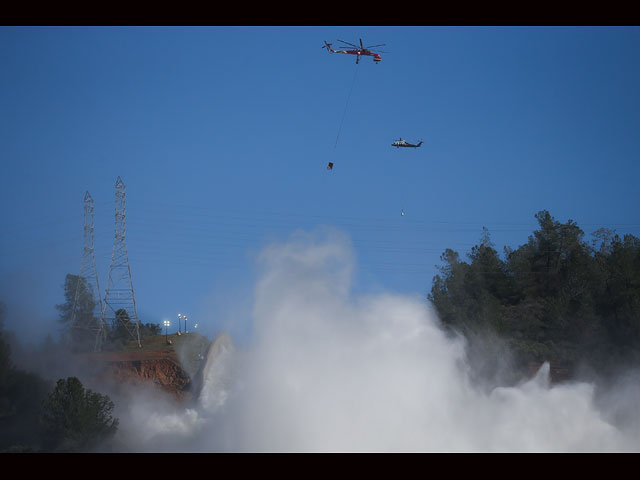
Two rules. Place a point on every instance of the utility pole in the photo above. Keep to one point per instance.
(119, 297)
(87, 287)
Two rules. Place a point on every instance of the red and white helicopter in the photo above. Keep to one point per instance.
(359, 50)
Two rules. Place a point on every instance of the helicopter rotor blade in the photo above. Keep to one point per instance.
(379, 45)
(348, 43)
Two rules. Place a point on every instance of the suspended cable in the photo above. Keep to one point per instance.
(344, 113)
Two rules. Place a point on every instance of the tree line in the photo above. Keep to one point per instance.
(557, 298)
(36, 416)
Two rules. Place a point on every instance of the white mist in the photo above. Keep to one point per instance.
(328, 370)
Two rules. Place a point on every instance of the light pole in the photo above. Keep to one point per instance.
(185, 324)
(179, 318)
(166, 326)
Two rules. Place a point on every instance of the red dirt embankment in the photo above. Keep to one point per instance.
(165, 373)
(155, 363)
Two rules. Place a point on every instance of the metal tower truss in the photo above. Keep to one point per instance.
(88, 313)
(120, 304)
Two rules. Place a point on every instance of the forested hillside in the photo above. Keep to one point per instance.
(556, 298)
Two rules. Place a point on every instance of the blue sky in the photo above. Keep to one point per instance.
(222, 136)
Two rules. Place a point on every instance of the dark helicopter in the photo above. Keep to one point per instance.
(403, 143)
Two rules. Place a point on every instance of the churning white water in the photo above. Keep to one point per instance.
(328, 370)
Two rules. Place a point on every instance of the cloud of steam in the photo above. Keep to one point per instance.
(327, 370)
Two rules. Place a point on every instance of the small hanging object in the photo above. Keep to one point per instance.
(330, 166)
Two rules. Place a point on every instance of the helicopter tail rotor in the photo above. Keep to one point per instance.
(327, 46)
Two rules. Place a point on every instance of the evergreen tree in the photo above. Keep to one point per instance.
(79, 295)
(555, 298)
(75, 419)
(20, 396)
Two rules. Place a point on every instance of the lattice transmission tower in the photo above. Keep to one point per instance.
(87, 314)
(120, 304)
